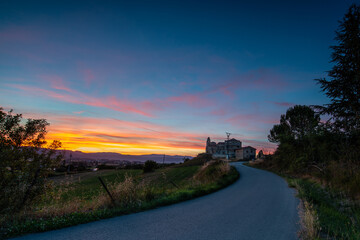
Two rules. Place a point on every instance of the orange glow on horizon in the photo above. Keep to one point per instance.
(80, 142)
(90, 134)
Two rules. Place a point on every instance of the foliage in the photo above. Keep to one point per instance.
(299, 122)
(296, 135)
(327, 151)
(343, 88)
(150, 166)
(24, 162)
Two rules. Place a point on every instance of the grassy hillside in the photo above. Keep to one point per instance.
(80, 198)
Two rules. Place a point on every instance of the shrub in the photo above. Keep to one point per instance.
(150, 166)
(204, 157)
(24, 161)
(199, 160)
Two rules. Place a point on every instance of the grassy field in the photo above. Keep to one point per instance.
(87, 185)
(80, 198)
(325, 212)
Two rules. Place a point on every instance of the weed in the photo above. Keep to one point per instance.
(308, 222)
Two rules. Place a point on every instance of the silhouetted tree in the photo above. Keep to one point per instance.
(298, 122)
(329, 151)
(343, 85)
(295, 135)
(24, 160)
(150, 166)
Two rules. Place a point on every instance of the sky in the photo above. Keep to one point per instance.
(159, 77)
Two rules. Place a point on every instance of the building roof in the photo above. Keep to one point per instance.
(249, 147)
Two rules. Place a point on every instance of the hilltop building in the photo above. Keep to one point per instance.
(231, 148)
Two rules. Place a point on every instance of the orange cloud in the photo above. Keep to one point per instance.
(112, 135)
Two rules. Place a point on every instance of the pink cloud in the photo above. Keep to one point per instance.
(72, 96)
(192, 100)
(56, 82)
(79, 112)
(124, 106)
(218, 112)
(258, 79)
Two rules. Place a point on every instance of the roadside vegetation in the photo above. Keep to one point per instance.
(321, 159)
(80, 198)
(325, 213)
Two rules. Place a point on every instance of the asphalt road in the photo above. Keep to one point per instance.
(258, 206)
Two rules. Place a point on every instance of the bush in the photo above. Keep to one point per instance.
(199, 160)
(204, 157)
(25, 162)
(150, 166)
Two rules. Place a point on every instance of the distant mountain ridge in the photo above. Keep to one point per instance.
(78, 155)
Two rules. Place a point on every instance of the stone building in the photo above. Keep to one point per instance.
(228, 148)
(245, 153)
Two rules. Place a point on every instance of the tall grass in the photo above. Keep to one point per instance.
(328, 214)
(77, 203)
(329, 211)
(212, 170)
(309, 225)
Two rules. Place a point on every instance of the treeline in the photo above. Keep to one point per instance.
(327, 150)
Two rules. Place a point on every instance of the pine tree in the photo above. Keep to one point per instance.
(343, 86)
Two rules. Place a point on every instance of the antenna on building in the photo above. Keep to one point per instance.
(227, 143)
(228, 135)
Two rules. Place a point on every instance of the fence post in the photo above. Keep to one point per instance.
(174, 184)
(108, 192)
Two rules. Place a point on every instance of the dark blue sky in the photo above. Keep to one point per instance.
(169, 73)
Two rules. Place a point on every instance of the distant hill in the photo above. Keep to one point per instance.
(78, 155)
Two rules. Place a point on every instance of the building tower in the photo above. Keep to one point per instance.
(207, 149)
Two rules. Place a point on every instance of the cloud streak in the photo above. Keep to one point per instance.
(75, 97)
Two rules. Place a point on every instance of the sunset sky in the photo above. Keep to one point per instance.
(140, 77)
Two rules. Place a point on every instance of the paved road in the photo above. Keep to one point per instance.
(258, 206)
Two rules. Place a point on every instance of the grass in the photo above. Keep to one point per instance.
(326, 213)
(85, 200)
(336, 216)
(85, 188)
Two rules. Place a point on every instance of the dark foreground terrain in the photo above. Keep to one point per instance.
(258, 206)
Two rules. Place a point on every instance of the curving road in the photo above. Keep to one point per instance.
(258, 206)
